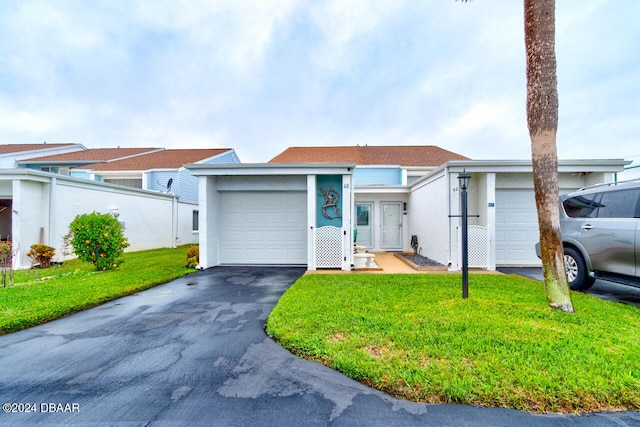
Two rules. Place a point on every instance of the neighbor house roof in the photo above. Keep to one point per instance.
(93, 155)
(17, 148)
(403, 155)
(164, 159)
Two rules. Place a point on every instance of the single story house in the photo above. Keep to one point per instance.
(155, 169)
(307, 204)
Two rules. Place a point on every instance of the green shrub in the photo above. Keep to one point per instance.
(193, 257)
(41, 254)
(98, 238)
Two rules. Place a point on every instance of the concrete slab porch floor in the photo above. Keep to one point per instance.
(390, 264)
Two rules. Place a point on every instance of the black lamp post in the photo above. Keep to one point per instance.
(464, 178)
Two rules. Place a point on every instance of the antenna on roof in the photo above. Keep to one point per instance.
(168, 186)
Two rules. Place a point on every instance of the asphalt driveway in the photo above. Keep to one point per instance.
(193, 352)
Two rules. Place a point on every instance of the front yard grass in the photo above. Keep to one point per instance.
(414, 337)
(41, 295)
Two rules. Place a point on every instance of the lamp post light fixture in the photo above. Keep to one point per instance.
(464, 178)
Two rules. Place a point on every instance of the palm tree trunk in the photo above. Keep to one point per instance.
(542, 118)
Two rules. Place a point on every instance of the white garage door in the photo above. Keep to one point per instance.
(263, 227)
(516, 228)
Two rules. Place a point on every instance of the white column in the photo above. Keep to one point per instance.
(347, 223)
(491, 218)
(208, 234)
(311, 222)
(16, 229)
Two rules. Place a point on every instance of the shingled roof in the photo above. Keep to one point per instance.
(16, 148)
(164, 159)
(93, 155)
(403, 155)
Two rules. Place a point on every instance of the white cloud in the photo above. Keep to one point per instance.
(342, 23)
(238, 33)
(259, 75)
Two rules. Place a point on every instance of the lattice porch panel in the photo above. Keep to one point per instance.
(328, 245)
(478, 240)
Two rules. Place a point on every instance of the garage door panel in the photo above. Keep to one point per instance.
(516, 228)
(263, 228)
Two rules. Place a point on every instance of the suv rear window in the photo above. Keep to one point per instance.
(580, 206)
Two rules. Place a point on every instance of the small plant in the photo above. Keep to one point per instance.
(41, 254)
(99, 239)
(6, 263)
(193, 257)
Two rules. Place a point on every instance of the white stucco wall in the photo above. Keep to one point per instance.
(44, 205)
(30, 217)
(429, 217)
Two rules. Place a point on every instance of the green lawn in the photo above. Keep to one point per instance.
(414, 337)
(41, 295)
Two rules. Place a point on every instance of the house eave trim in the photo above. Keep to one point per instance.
(240, 169)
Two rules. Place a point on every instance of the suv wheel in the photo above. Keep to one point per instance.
(576, 269)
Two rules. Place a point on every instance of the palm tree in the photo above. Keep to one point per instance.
(542, 118)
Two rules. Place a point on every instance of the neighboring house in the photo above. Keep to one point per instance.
(63, 163)
(39, 206)
(160, 170)
(503, 222)
(278, 212)
(44, 186)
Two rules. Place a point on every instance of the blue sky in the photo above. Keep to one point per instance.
(260, 76)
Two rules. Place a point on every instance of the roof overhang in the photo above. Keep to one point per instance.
(23, 174)
(382, 189)
(525, 166)
(568, 165)
(251, 169)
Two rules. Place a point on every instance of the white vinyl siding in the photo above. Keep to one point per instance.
(377, 176)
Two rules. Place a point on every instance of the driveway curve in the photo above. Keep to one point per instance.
(194, 352)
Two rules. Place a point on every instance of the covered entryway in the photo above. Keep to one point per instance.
(263, 227)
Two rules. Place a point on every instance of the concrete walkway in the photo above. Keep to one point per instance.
(389, 263)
